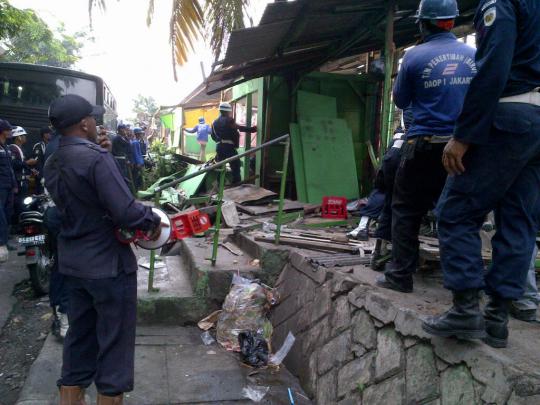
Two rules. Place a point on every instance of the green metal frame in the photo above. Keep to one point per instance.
(283, 173)
(217, 225)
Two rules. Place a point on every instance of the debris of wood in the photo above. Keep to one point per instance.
(247, 193)
(210, 321)
(339, 260)
(231, 248)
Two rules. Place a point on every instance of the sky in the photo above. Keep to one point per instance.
(131, 57)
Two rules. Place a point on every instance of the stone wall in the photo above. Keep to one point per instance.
(355, 345)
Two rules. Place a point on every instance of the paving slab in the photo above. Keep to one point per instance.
(172, 366)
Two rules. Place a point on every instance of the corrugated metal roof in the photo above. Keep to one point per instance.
(307, 33)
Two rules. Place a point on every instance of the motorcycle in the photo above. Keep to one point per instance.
(38, 246)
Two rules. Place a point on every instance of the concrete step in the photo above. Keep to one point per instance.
(172, 366)
(173, 302)
(213, 282)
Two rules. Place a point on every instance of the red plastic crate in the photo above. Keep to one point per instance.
(188, 224)
(334, 208)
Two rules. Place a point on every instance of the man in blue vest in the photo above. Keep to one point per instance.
(225, 134)
(202, 129)
(494, 164)
(433, 80)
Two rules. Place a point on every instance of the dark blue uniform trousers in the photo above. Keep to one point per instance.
(225, 151)
(100, 344)
(503, 176)
(6, 210)
(418, 184)
(389, 169)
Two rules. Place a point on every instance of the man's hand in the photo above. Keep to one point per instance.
(104, 142)
(31, 162)
(453, 157)
(156, 232)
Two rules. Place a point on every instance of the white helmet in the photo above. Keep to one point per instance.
(18, 131)
(225, 107)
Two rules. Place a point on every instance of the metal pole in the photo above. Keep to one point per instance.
(221, 163)
(282, 189)
(217, 225)
(153, 259)
(388, 69)
(247, 143)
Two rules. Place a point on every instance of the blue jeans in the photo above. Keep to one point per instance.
(6, 211)
(503, 176)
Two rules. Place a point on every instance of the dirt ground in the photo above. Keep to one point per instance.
(21, 340)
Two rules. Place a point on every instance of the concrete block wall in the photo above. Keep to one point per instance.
(357, 346)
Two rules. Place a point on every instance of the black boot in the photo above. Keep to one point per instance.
(496, 317)
(464, 320)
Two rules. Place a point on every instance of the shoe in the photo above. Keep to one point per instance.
(496, 317)
(72, 395)
(525, 315)
(386, 281)
(105, 400)
(362, 235)
(4, 254)
(463, 320)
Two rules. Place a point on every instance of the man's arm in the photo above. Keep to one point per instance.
(191, 130)
(496, 30)
(404, 85)
(114, 194)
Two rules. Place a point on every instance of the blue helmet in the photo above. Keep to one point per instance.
(437, 10)
(137, 130)
(201, 120)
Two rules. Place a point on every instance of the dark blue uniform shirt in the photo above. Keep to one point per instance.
(224, 129)
(433, 79)
(94, 200)
(508, 62)
(7, 177)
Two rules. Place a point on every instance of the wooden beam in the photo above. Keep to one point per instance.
(388, 70)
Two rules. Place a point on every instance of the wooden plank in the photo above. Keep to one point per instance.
(308, 244)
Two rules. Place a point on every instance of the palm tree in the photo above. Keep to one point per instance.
(187, 23)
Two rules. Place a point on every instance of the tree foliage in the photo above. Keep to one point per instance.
(192, 20)
(11, 19)
(33, 41)
(144, 107)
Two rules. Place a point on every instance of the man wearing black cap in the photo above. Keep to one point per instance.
(93, 200)
(8, 185)
(121, 149)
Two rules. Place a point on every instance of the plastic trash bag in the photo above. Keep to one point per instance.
(244, 310)
(253, 349)
(277, 359)
(255, 392)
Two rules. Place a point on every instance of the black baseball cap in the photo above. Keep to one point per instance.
(71, 109)
(5, 125)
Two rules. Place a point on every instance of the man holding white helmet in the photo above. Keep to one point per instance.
(22, 167)
(225, 134)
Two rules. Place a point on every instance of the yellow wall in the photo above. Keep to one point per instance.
(191, 117)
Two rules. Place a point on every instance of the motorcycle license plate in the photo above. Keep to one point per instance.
(32, 240)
